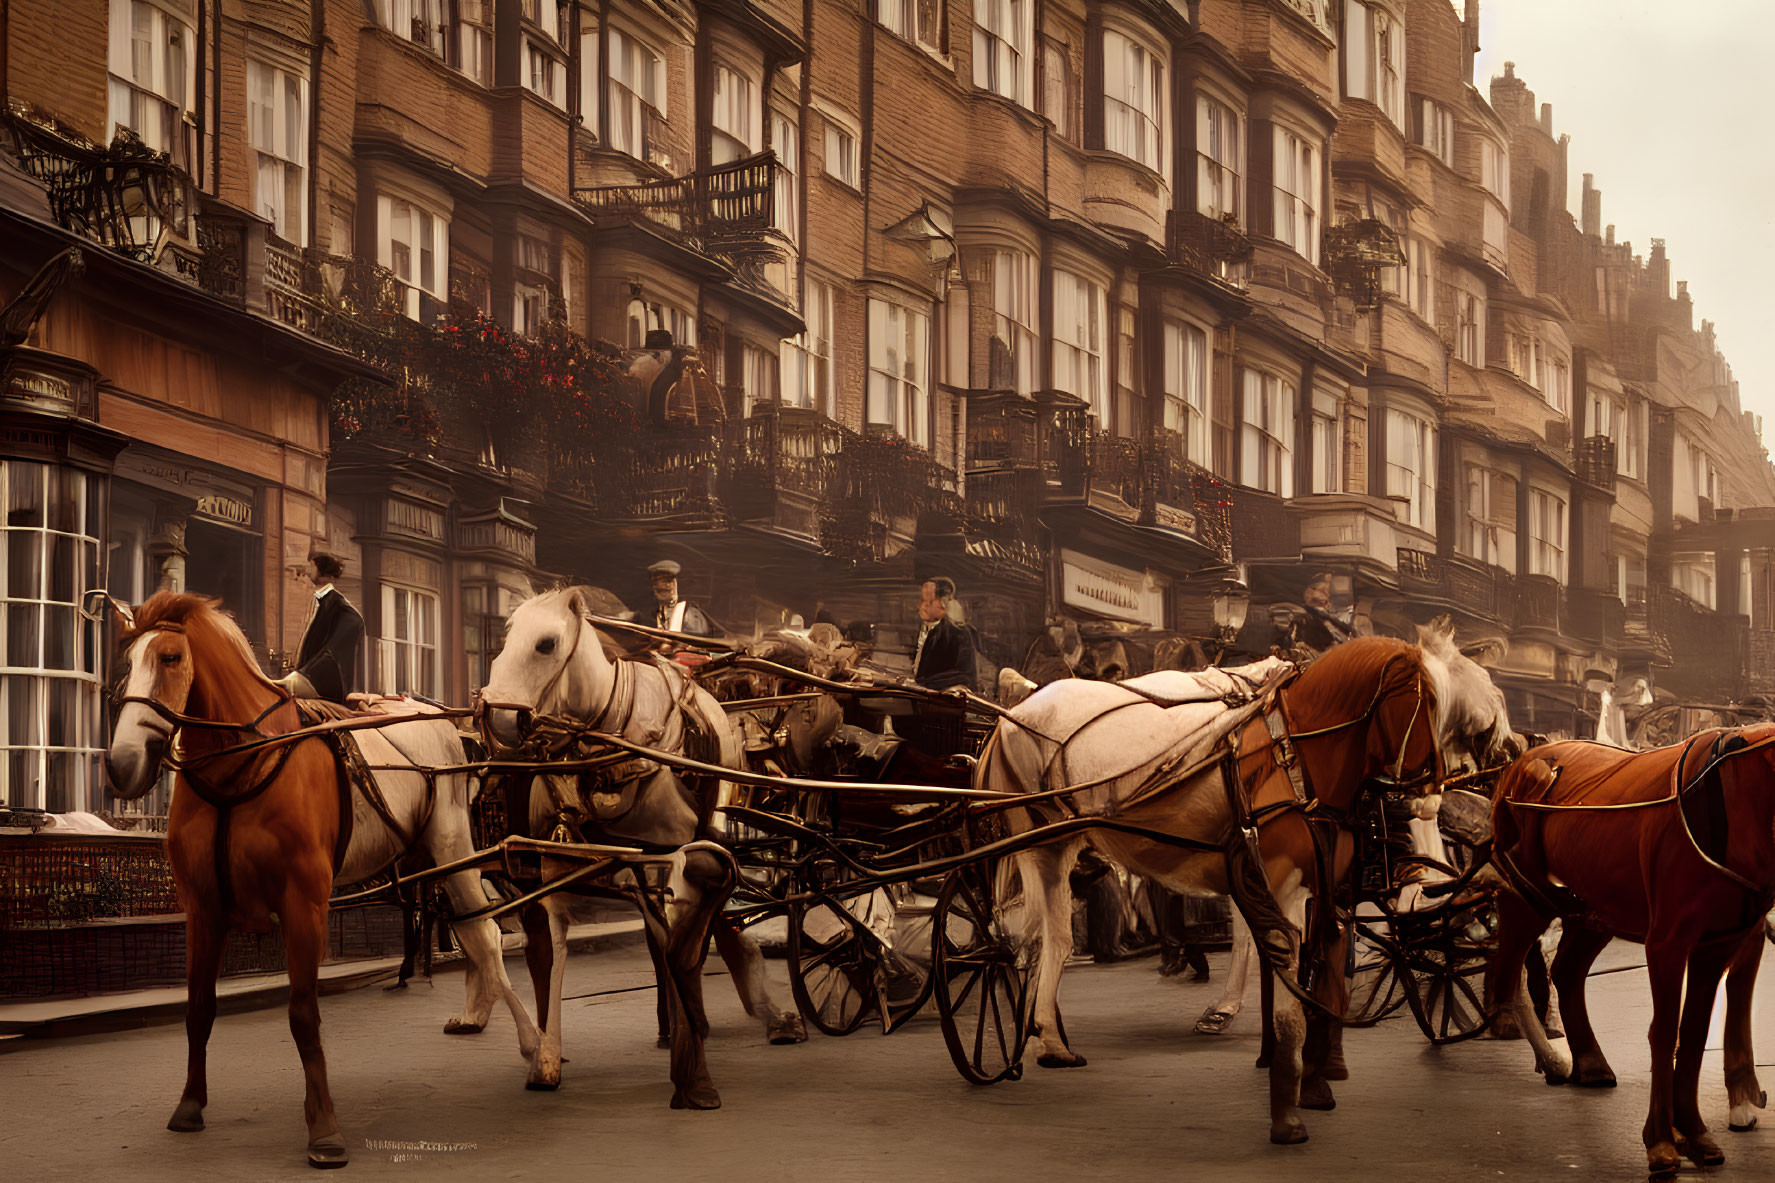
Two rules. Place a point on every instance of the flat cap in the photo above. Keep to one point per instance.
(665, 567)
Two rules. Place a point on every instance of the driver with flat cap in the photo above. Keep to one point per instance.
(672, 613)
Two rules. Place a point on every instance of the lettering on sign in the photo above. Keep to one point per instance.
(42, 386)
(225, 509)
(1113, 591)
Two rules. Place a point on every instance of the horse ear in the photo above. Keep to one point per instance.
(576, 604)
(122, 614)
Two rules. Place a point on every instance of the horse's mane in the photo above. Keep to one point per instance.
(214, 637)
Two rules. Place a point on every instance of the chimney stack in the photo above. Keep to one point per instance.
(1591, 213)
(1658, 269)
(1470, 38)
(1547, 118)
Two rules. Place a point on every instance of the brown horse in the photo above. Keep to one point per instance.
(263, 827)
(1275, 835)
(1673, 848)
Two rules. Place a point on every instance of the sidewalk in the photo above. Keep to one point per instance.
(61, 1018)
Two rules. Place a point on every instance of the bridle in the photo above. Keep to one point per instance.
(526, 715)
(1397, 781)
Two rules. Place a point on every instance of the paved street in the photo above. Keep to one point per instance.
(1155, 1102)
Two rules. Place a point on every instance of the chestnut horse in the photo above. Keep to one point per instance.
(1368, 709)
(269, 830)
(1673, 848)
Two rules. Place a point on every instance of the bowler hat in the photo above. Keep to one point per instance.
(658, 339)
(664, 567)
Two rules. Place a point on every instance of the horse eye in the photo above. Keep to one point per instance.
(169, 659)
(546, 645)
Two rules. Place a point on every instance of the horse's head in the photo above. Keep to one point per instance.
(1472, 724)
(163, 681)
(552, 663)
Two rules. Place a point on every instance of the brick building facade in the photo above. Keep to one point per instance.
(1142, 313)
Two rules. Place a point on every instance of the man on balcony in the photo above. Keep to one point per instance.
(670, 612)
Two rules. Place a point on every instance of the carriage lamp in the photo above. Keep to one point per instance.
(1232, 601)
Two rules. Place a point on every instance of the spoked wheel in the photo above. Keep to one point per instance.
(1377, 986)
(1447, 984)
(834, 964)
(982, 973)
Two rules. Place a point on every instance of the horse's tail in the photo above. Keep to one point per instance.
(1011, 762)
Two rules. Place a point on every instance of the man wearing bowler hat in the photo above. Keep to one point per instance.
(672, 613)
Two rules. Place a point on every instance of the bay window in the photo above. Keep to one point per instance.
(1078, 342)
(1012, 362)
(414, 243)
(1602, 415)
(841, 154)
(1494, 170)
(1694, 575)
(1134, 100)
(1411, 467)
(806, 362)
(1546, 523)
(899, 371)
(637, 96)
(472, 47)
(407, 653)
(1297, 194)
(152, 79)
(1186, 388)
(1266, 459)
(1556, 386)
(277, 130)
(1004, 31)
(1220, 160)
(735, 116)
(1630, 581)
(1490, 536)
(1374, 59)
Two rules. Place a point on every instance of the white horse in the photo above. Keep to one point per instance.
(1115, 737)
(554, 663)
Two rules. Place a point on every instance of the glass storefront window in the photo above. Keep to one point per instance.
(50, 688)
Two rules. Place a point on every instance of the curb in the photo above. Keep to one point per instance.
(109, 1014)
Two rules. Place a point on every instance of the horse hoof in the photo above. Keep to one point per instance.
(1662, 1163)
(1061, 1060)
(785, 1029)
(1702, 1150)
(703, 1096)
(1263, 1060)
(663, 1041)
(1336, 1072)
(1316, 1094)
(328, 1153)
(1598, 1080)
(187, 1118)
(458, 1027)
(1291, 1134)
(1745, 1128)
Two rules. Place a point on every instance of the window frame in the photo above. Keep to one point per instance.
(749, 107)
(1016, 319)
(1084, 361)
(287, 155)
(1140, 134)
(898, 397)
(392, 649)
(1486, 524)
(1213, 171)
(1374, 58)
(170, 89)
(1326, 440)
(905, 19)
(1300, 207)
(1189, 388)
(414, 288)
(1435, 130)
(1267, 438)
(837, 133)
(554, 67)
(805, 364)
(991, 45)
(1547, 511)
(1411, 486)
(642, 67)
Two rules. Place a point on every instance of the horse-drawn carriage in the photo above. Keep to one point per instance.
(629, 778)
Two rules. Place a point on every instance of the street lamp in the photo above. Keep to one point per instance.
(1232, 601)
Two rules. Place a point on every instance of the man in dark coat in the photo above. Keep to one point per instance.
(944, 655)
(327, 659)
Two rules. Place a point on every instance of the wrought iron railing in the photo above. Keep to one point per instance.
(126, 196)
(726, 208)
(1216, 247)
(1594, 459)
(1538, 602)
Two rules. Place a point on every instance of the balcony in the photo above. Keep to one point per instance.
(671, 476)
(724, 212)
(1709, 652)
(1475, 588)
(1596, 616)
(1002, 512)
(1594, 460)
(1538, 602)
(780, 468)
(1002, 431)
(881, 486)
(1215, 247)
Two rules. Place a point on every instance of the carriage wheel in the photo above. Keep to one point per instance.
(834, 966)
(1377, 984)
(982, 976)
(907, 982)
(1447, 983)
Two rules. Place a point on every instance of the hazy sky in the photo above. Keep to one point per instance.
(1668, 104)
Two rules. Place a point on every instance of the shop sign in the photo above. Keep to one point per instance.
(225, 509)
(1109, 590)
(40, 387)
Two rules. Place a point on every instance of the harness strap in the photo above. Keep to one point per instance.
(1282, 748)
